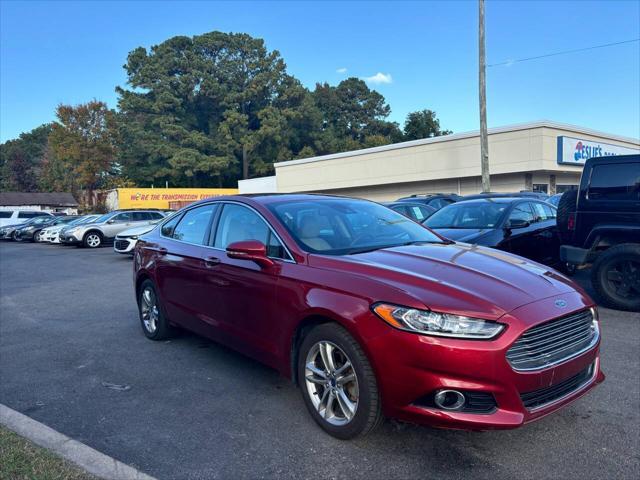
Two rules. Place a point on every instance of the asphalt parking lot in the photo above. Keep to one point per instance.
(73, 356)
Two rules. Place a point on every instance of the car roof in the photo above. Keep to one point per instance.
(499, 200)
(268, 198)
(614, 159)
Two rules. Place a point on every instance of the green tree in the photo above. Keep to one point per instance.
(423, 124)
(214, 107)
(21, 160)
(352, 112)
(83, 148)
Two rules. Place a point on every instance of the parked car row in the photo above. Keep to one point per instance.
(91, 231)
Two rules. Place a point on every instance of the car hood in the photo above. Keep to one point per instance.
(468, 235)
(141, 230)
(456, 278)
(55, 228)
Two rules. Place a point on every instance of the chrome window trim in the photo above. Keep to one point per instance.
(222, 202)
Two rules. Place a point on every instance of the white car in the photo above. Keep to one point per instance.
(126, 241)
(16, 217)
(52, 234)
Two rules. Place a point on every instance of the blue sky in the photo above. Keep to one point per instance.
(70, 52)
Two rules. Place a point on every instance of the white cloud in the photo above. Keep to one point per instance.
(379, 78)
(342, 70)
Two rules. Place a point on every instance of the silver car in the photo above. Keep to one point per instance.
(105, 228)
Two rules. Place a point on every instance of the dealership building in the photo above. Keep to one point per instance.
(542, 156)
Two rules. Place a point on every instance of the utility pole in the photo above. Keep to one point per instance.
(484, 140)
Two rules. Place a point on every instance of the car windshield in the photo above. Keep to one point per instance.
(87, 219)
(104, 218)
(41, 220)
(67, 220)
(336, 226)
(474, 215)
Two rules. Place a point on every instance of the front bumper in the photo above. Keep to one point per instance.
(411, 367)
(69, 239)
(124, 245)
(576, 255)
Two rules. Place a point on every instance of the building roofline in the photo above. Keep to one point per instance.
(460, 136)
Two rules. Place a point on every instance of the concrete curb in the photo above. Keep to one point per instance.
(85, 457)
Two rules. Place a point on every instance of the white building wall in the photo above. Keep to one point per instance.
(258, 185)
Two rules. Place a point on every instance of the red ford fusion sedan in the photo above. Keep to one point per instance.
(370, 313)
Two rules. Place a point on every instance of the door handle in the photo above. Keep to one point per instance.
(211, 261)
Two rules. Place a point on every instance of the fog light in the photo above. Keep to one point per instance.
(449, 399)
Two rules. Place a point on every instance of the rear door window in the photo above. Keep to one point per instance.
(618, 181)
(29, 214)
(543, 212)
(522, 211)
(5, 214)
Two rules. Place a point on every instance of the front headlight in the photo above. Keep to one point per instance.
(428, 322)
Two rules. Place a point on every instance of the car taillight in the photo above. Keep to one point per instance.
(571, 221)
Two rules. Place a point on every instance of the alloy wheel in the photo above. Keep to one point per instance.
(623, 278)
(93, 240)
(331, 383)
(149, 310)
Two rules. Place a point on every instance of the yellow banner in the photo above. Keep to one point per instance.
(161, 197)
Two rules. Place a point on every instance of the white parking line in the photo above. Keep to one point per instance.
(87, 458)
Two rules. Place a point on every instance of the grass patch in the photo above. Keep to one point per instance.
(22, 460)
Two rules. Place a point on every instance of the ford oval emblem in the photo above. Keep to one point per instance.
(561, 303)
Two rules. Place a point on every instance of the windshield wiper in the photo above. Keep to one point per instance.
(373, 248)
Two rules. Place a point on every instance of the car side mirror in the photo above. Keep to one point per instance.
(517, 223)
(250, 250)
(111, 221)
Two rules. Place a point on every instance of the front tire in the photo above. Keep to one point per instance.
(152, 319)
(616, 276)
(337, 383)
(92, 240)
(36, 236)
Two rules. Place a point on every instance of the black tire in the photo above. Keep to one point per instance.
(92, 239)
(15, 237)
(368, 412)
(566, 206)
(35, 236)
(615, 276)
(163, 329)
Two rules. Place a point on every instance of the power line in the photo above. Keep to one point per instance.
(564, 52)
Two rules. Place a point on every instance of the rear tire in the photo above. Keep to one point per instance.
(343, 399)
(92, 240)
(152, 318)
(615, 276)
(566, 206)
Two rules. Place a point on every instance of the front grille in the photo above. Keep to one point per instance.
(554, 342)
(122, 244)
(544, 396)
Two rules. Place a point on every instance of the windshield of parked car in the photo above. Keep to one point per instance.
(336, 226)
(473, 215)
(41, 220)
(104, 218)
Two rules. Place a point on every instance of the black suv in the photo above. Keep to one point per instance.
(435, 200)
(600, 225)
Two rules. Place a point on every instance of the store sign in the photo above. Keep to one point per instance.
(575, 151)
(161, 197)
